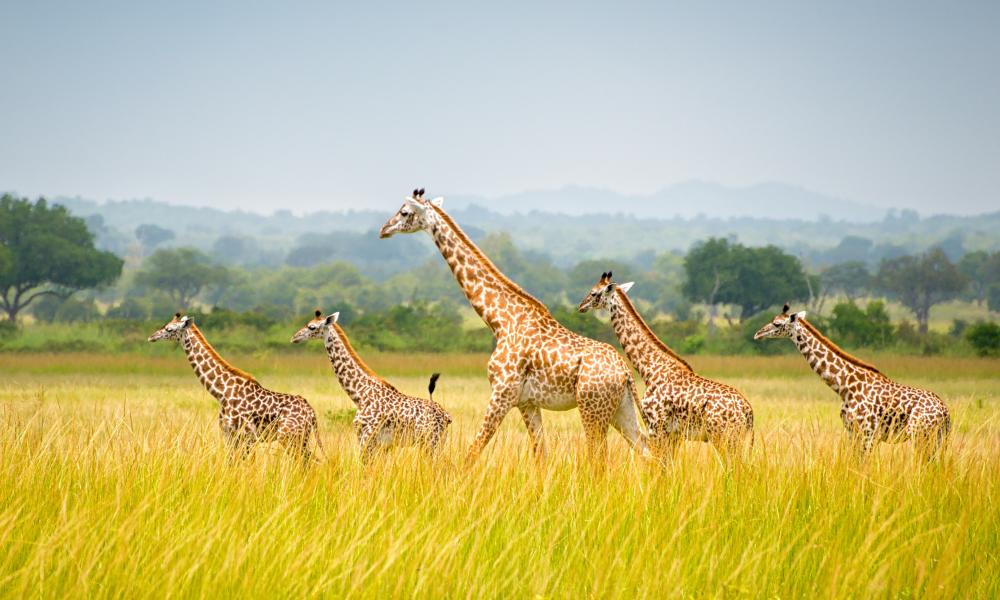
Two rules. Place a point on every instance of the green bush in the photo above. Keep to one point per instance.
(985, 338)
(851, 326)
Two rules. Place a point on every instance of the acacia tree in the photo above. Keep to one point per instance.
(920, 282)
(182, 273)
(47, 251)
(751, 278)
(707, 267)
(850, 278)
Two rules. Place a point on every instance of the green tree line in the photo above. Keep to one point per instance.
(47, 254)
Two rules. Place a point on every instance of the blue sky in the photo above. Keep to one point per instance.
(340, 105)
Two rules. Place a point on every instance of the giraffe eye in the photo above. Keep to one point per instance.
(312, 327)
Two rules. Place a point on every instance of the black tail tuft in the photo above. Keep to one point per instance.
(432, 384)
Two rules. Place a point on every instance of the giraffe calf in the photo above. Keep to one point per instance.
(386, 417)
(248, 412)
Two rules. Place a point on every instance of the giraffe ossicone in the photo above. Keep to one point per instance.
(874, 407)
(537, 363)
(386, 417)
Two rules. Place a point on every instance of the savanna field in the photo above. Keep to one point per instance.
(114, 482)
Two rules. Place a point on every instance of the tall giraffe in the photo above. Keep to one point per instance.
(386, 417)
(874, 407)
(678, 403)
(248, 412)
(537, 363)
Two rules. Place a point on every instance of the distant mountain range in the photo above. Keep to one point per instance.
(567, 225)
(685, 200)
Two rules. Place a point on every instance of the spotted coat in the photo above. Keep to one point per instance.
(248, 412)
(679, 404)
(537, 363)
(874, 407)
(386, 417)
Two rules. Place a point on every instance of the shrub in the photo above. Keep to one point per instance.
(855, 327)
(985, 338)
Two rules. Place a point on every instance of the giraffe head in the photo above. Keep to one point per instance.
(173, 330)
(415, 215)
(602, 295)
(316, 328)
(782, 325)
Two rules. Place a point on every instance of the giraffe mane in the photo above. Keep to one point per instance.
(215, 355)
(488, 264)
(627, 304)
(357, 359)
(837, 349)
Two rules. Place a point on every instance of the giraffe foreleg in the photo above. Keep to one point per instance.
(368, 439)
(239, 433)
(504, 397)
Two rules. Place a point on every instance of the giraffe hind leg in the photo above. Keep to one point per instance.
(626, 422)
(532, 416)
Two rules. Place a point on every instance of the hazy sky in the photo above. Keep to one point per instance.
(340, 105)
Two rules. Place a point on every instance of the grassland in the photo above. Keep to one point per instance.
(114, 483)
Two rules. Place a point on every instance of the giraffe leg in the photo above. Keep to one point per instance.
(597, 407)
(928, 435)
(368, 440)
(504, 397)
(663, 444)
(240, 434)
(532, 416)
(626, 423)
(862, 442)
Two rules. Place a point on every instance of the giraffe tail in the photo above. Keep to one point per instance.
(432, 384)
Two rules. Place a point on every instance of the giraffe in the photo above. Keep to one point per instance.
(248, 412)
(679, 404)
(537, 363)
(874, 407)
(386, 417)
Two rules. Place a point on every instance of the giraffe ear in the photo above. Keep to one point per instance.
(625, 287)
(799, 315)
(438, 201)
(333, 318)
(187, 321)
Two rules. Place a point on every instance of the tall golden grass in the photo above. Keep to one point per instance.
(114, 483)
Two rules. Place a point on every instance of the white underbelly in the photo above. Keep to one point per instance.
(535, 393)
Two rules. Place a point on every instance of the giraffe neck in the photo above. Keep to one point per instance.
(355, 377)
(838, 369)
(498, 300)
(641, 345)
(211, 369)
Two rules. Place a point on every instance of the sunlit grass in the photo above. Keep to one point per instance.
(114, 482)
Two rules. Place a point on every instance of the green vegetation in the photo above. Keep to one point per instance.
(399, 296)
(985, 338)
(46, 252)
(114, 482)
(920, 282)
(720, 272)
